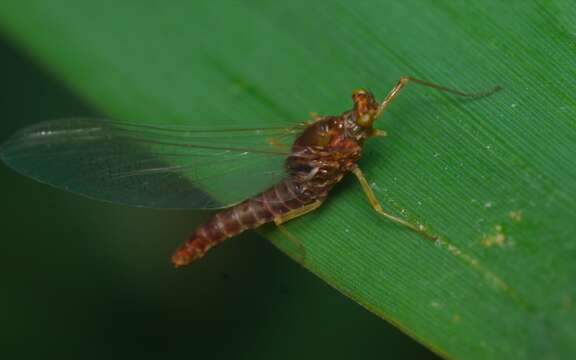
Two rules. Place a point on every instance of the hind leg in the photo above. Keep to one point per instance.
(378, 208)
(279, 220)
(300, 254)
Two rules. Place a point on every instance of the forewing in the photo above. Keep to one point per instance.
(151, 165)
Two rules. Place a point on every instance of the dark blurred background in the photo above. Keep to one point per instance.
(83, 278)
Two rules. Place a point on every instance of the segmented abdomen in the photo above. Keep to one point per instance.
(249, 214)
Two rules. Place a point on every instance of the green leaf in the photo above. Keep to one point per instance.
(495, 177)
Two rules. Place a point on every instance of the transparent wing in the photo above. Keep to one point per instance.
(150, 165)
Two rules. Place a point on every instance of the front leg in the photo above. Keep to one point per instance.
(315, 116)
(378, 133)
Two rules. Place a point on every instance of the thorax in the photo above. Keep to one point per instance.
(325, 152)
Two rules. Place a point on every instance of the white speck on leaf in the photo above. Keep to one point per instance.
(435, 304)
(496, 238)
(516, 215)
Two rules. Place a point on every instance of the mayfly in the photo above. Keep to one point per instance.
(256, 176)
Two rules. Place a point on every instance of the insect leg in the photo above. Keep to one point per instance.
(297, 212)
(275, 142)
(279, 220)
(315, 116)
(299, 244)
(405, 79)
(378, 133)
(378, 208)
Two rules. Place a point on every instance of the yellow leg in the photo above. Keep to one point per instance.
(315, 116)
(279, 220)
(378, 133)
(275, 142)
(293, 239)
(297, 212)
(376, 205)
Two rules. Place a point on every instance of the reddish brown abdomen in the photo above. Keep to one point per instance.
(249, 214)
